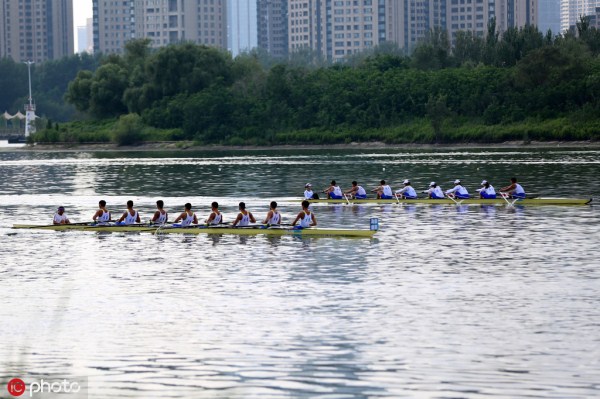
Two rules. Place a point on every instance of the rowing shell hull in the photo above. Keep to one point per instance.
(472, 201)
(272, 231)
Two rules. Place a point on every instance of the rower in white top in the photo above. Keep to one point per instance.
(244, 217)
(515, 190)
(187, 217)
(102, 215)
(487, 191)
(306, 217)
(334, 191)
(60, 217)
(160, 216)
(407, 192)
(458, 191)
(434, 192)
(215, 216)
(273, 217)
(130, 216)
(356, 192)
(383, 191)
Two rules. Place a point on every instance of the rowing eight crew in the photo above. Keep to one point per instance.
(305, 218)
(384, 191)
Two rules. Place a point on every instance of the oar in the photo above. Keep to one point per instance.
(453, 200)
(57, 225)
(346, 196)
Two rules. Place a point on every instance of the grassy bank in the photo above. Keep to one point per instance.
(129, 130)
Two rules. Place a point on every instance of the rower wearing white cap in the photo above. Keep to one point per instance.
(435, 191)
(406, 192)
(515, 190)
(458, 191)
(60, 217)
(308, 192)
(356, 192)
(487, 191)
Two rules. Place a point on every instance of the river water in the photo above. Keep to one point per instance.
(445, 302)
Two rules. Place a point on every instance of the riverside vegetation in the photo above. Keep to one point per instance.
(522, 85)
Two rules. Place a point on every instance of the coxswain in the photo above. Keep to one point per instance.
(435, 191)
(244, 217)
(273, 217)
(458, 191)
(309, 193)
(60, 217)
(487, 191)
(306, 217)
(515, 190)
(407, 192)
(333, 191)
(215, 217)
(187, 217)
(160, 216)
(356, 192)
(383, 191)
(102, 215)
(130, 216)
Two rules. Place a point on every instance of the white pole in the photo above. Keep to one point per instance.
(29, 108)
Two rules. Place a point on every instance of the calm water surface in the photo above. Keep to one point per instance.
(446, 302)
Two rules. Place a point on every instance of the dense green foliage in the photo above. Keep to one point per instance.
(523, 85)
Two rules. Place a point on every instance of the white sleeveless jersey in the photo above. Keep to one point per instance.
(306, 220)
(217, 219)
(275, 219)
(188, 220)
(337, 191)
(131, 219)
(361, 191)
(60, 218)
(105, 217)
(387, 190)
(245, 219)
(308, 194)
(162, 218)
(519, 189)
(408, 191)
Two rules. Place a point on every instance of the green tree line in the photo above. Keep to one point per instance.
(523, 84)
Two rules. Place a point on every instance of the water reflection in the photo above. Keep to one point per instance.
(446, 301)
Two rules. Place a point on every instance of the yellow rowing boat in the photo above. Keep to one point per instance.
(168, 229)
(470, 201)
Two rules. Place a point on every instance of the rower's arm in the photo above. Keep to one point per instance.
(300, 215)
(269, 216)
(508, 188)
(252, 219)
(210, 218)
(179, 217)
(195, 221)
(314, 219)
(96, 216)
(155, 217)
(376, 189)
(123, 216)
(237, 220)
(138, 220)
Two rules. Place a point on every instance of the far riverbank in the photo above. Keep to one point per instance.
(190, 146)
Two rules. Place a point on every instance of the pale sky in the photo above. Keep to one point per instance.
(82, 9)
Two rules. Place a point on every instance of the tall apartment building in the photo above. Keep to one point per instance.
(272, 19)
(572, 10)
(241, 26)
(549, 16)
(408, 21)
(474, 15)
(336, 28)
(162, 21)
(36, 30)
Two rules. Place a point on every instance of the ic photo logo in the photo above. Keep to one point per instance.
(46, 388)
